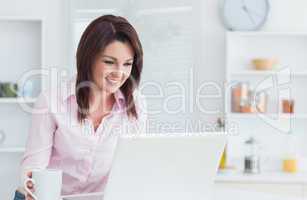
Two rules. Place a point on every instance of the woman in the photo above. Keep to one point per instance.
(103, 104)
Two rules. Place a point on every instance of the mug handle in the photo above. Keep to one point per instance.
(27, 189)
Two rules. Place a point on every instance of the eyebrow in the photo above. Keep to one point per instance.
(115, 58)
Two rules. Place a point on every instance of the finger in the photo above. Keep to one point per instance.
(29, 174)
(29, 197)
(30, 185)
(32, 189)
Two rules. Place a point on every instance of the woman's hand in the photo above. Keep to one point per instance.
(30, 186)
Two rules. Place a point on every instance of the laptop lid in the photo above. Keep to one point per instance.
(168, 166)
(86, 196)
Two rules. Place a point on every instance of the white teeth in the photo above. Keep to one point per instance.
(113, 81)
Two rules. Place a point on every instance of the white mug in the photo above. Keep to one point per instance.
(47, 184)
(2, 137)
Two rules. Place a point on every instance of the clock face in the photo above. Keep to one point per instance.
(245, 15)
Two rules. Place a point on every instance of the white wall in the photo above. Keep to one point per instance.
(56, 42)
(287, 15)
(56, 14)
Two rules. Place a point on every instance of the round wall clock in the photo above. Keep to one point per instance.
(245, 15)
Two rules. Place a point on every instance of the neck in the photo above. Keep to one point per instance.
(101, 99)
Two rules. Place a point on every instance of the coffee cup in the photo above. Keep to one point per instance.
(47, 184)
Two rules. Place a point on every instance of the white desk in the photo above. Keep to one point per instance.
(264, 186)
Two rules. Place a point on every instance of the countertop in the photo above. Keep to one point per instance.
(277, 177)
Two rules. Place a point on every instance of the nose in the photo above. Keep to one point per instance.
(116, 74)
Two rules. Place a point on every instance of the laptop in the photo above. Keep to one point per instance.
(89, 196)
(169, 166)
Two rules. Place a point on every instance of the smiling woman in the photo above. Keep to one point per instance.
(105, 103)
(119, 38)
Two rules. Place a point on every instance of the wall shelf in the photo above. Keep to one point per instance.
(288, 82)
(265, 73)
(12, 149)
(17, 100)
(257, 115)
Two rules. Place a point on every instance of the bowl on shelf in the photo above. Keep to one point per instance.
(264, 63)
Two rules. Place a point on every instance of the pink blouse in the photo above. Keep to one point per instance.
(56, 140)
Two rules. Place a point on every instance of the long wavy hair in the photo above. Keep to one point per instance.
(98, 34)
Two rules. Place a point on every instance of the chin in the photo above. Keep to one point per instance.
(112, 89)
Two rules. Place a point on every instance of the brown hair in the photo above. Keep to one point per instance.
(98, 34)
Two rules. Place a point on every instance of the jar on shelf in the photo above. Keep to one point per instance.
(252, 157)
(239, 96)
(247, 103)
(290, 157)
(288, 105)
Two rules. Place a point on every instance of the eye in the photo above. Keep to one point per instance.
(108, 62)
(128, 64)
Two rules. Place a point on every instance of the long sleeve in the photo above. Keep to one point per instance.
(40, 138)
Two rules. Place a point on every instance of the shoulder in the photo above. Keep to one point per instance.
(48, 100)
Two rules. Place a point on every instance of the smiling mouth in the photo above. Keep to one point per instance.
(113, 81)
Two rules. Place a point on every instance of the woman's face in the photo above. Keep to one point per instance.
(112, 67)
